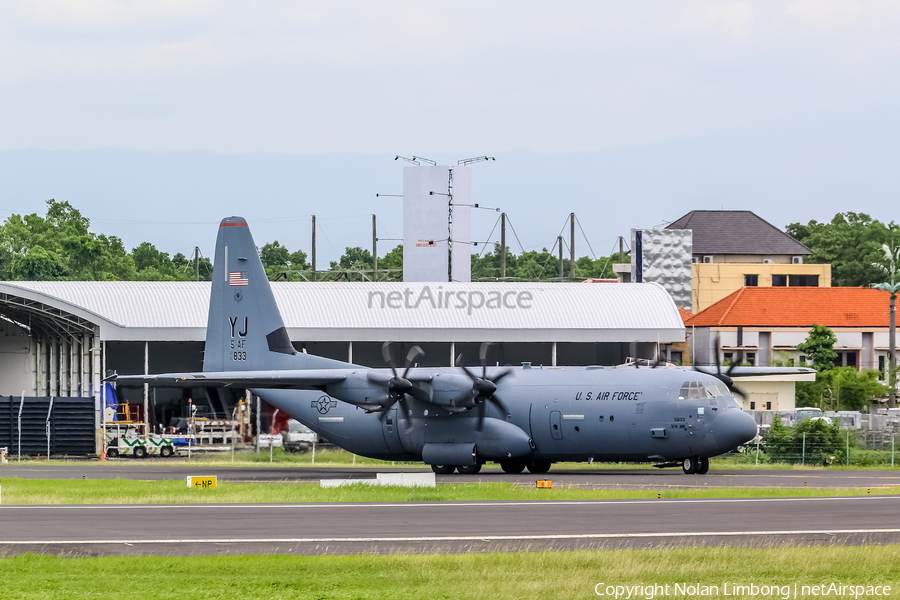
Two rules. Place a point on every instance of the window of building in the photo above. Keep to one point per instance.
(802, 359)
(676, 357)
(751, 280)
(750, 358)
(753, 406)
(851, 359)
(803, 280)
(727, 358)
(779, 280)
(881, 363)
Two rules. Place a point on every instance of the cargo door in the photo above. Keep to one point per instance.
(391, 429)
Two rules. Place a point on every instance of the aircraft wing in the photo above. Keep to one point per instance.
(755, 371)
(299, 379)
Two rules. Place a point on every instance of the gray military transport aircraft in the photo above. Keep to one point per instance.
(457, 418)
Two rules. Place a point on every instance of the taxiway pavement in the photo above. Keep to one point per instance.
(590, 478)
(346, 528)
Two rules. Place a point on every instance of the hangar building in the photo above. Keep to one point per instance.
(59, 338)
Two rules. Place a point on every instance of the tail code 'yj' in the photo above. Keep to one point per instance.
(245, 330)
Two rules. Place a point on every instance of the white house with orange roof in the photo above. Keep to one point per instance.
(759, 325)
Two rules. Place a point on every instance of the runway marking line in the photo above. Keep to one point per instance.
(470, 538)
(321, 505)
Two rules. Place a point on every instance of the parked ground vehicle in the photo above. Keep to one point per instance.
(124, 440)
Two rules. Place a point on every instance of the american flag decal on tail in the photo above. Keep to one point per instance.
(238, 278)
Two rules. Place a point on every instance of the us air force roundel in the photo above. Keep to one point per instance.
(323, 404)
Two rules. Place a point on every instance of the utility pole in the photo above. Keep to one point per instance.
(572, 245)
(559, 241)
(892, 342)
(197, 263)
(502, 245)
(374, 252)
(891, 270)
(621, 248)
(314, 247)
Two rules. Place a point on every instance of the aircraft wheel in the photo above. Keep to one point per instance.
(112, 453)
(703, 467)
(469, 469)
(140, 452)
(166, 451)
(539, 467)
(443, 469)
(689, 465)
(512, 466)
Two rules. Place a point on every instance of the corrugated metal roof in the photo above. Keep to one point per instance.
(342, 311)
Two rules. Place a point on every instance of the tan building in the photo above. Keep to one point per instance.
(736, 248)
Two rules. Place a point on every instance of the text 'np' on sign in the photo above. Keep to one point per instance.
(201, 482)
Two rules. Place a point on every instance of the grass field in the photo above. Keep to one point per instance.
(125, 491)
(496, 576)
(342, 458)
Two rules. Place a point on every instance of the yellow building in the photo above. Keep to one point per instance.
(713, 281)
(736, 248)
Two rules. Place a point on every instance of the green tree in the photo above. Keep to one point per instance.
(274, 255)
(39, 265)
(819, 347)
(488, 265)
(298, 261)
(68, 249)
(841, 388)
(155, 265)
(353, 258)
(393, 259)
(850, 243)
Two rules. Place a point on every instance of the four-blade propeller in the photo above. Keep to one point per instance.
(724, 377)
(483, 387)
(399, 386)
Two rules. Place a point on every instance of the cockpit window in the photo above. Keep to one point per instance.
(697, 390)
(718, 389)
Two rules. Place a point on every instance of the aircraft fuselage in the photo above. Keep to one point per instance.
(563, 414)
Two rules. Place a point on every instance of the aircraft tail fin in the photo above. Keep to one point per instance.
(245, 330)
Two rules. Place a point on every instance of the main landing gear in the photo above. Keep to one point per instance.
(462, 469)
(695, 465)
(510, 466)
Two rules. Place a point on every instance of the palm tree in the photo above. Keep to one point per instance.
(890, 269)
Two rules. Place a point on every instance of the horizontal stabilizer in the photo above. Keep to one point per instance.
(294, 379)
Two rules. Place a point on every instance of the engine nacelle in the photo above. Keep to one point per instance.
(452, 391)
(357, 388)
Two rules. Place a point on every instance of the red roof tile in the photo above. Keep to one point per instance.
(685, 314)
(797, 307)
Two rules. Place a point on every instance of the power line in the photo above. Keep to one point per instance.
(577, 220)
(489, 237)
(508, 220)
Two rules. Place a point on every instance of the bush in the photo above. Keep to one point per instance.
(786, 444)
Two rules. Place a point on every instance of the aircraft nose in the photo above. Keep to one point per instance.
(735, 427)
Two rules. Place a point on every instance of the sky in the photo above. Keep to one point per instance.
(157, 119)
